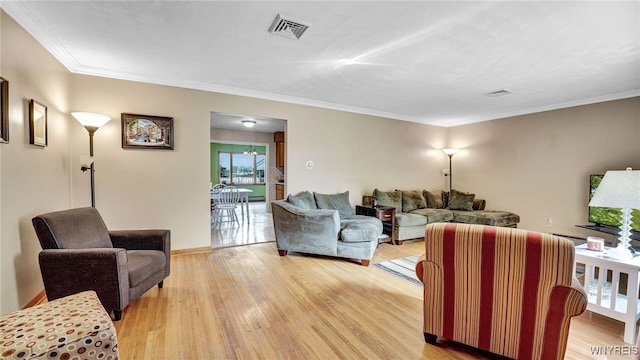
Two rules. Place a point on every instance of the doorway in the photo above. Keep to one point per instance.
(231, 140)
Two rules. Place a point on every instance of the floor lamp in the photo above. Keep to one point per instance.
(620, 189)
(92, 122)
(450, 152)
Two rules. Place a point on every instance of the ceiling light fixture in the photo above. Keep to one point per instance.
(248, 123)
(250, 150)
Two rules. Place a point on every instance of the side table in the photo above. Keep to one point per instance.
(604, 292)
(386, 214)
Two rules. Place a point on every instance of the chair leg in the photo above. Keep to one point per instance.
(364, 262)
(430, 338)
(117, 315)
(161, 284)
(282, 252)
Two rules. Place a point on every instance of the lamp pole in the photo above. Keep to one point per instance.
(450, 152)
(92, 169)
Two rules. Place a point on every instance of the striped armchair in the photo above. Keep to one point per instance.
(508, 291)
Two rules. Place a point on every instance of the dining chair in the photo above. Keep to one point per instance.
(225, 202)
(214, 189)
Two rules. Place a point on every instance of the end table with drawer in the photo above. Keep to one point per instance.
(386, 214)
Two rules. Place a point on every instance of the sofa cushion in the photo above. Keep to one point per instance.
(434, 199)
(412, 200)
(405, 219)
(339, 201)
(459, 200)
(389, 198)
(303, 200)
(434, 215)
(359, 228)
(486, 217)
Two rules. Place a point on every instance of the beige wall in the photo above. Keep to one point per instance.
(33, 179)
(538, 165)
(170, 188)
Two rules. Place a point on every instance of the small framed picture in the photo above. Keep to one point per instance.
(37, 123)
(4, 111)
(147, 132)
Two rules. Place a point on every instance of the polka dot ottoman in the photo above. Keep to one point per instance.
(72, 327)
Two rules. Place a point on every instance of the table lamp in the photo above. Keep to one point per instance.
(620, 189)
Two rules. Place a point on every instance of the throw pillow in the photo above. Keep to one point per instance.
(412, 200)
(338, 202)
(389, 198)
(303, 200)
(434, 198)
(459, 200)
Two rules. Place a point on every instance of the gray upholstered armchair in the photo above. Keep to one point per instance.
(80, 254)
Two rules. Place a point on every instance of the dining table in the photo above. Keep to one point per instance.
(244, 199)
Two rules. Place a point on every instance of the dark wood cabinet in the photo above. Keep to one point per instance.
(279, 191)
(278, 138)
(386, 214)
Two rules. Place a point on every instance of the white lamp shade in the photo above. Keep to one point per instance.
(449, 151)
(90, 119)
(618, 189)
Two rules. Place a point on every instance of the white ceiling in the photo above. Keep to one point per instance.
(430, 62)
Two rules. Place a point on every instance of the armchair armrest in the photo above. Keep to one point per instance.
(300, 229)
(147, 239)
(65, 272)
(420, 267)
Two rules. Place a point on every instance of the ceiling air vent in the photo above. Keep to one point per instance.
(288, 28)
(501, 92)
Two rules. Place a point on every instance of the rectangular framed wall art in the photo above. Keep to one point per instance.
(4, 111)
(147, 132)
(37, 123)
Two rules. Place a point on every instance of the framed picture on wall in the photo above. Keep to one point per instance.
(147, 132)
(37, 123)
(4, 111)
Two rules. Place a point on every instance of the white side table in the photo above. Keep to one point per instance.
(604, 296)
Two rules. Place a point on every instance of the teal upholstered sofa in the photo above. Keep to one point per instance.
(324, 224)
(417, 208)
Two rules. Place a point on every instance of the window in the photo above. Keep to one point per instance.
(239, 168)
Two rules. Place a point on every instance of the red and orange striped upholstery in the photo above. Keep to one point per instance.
(509, 291)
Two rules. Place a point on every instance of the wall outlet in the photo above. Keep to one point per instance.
(549, 221)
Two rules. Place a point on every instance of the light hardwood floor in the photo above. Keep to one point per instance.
(246, 302)
(252, 229)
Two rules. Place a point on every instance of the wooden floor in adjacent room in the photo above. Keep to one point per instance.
(246, 302)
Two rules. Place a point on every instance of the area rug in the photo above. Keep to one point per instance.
(403, 268)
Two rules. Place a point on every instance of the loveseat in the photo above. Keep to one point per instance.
(324, 224)
(417, 208)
